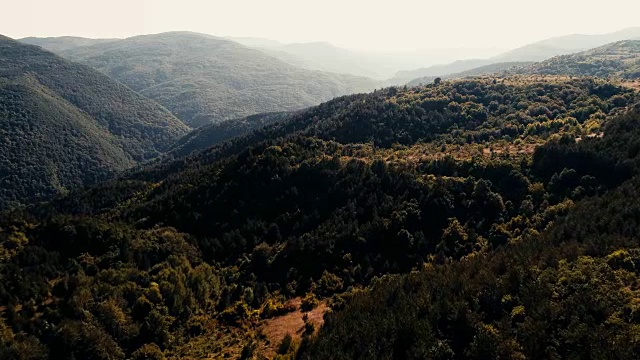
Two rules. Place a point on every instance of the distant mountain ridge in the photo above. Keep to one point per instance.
(563, 45)
(619, 59)
(65, 125)
(204, 79)
(538, 51)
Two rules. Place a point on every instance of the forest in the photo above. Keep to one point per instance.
(477, 218)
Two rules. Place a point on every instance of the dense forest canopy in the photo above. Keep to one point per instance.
(64, 125)
(191, 257)
(569, 292)
(204, 79)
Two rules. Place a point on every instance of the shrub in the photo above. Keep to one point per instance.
(309, 302)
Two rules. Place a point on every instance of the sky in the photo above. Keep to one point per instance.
(357, 24)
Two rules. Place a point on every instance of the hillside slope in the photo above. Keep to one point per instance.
(65, 125)
(204, 79)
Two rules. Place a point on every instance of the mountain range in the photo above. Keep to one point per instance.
(204, 79)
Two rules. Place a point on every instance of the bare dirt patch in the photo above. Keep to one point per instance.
(292, 323)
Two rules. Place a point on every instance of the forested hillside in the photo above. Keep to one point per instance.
(617, 60)
(64, 125)
(570, 292)
(193, 257)
(204, 79)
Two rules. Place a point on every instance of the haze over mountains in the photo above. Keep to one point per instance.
(619, 59)
(394, 68)
(204, 79)
(538, 51)
(379, 65)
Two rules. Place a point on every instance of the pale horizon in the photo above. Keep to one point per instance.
(408, 25)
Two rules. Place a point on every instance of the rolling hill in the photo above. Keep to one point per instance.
(65, 125)
(617, 60)
(193, 257)
(204, 79)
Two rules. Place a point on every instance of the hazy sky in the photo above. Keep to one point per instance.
(362, 24)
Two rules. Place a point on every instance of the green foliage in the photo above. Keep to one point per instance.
(309, 302)
(565, 293)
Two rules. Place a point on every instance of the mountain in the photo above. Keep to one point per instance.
(215, 255)
(490, 69)
(327, 57)
(65, 125)
(564, 45)
(58, 44)
(204, 79)
(620, 60)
